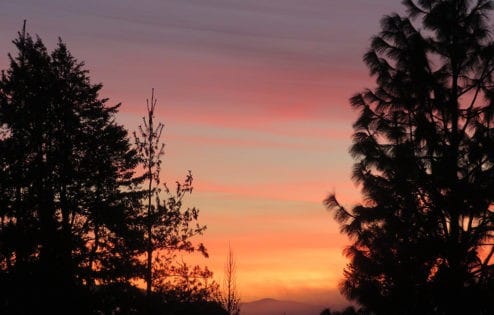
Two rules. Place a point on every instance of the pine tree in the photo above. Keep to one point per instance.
(67, 192)
(422, 242)
(169, 226)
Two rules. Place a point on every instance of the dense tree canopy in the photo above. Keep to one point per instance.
(66, 178)
(423, 143)
(74, 223)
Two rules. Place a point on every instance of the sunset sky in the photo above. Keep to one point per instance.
(254, 96)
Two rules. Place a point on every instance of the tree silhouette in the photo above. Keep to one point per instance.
(67, 201)
(350, 310)
(188, 284)
(151, 151)
(75, 220)
(168, 225)
(230, 298)
(423, 144)
(326, 311)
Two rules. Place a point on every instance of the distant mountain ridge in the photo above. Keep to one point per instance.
(276, 307)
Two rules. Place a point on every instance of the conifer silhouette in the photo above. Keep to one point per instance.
(423, 146)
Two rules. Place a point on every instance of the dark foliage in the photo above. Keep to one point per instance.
(423, 144)
(350, 310)
(169, 225)
(125, 299)
(326, 311)
(66, 179)
(72, 224)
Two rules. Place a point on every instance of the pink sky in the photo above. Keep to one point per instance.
(254, 95)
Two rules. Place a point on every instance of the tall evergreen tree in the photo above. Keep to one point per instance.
(168, 224)
(67, 193)
(423, 241)
(151, 150)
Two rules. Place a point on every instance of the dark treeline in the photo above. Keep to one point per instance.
(423, 240)
(350, 310)
(79, 228)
